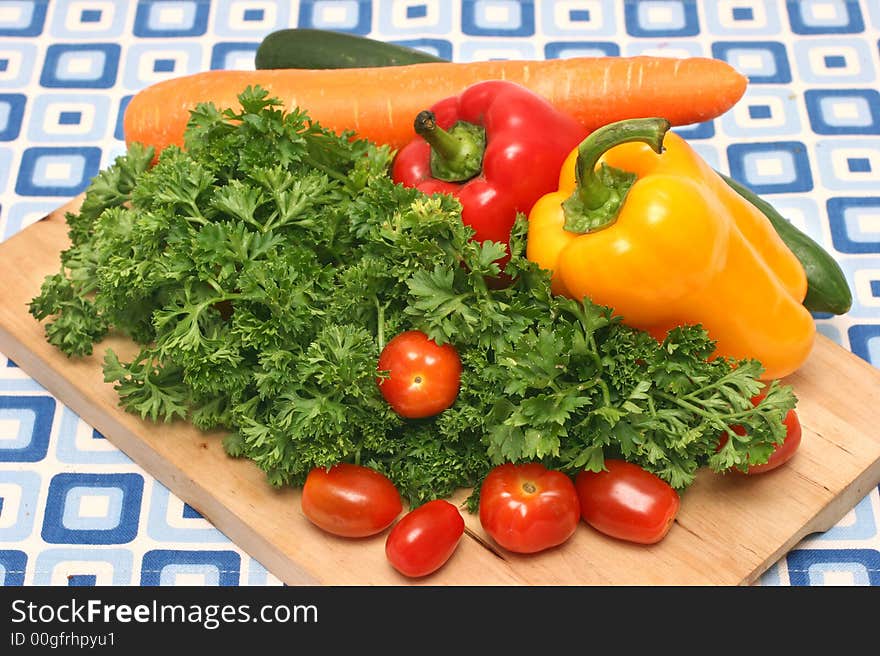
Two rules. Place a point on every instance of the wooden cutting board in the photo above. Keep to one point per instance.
(730, 528)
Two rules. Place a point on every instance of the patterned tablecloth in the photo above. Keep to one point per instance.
(76, 511)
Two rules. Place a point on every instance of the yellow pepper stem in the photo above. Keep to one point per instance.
(598, 197)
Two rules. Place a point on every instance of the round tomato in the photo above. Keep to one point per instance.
(527, 508)
(350, 500)
(424, 377)
(782, 452)
(627, 502)
(425, 538)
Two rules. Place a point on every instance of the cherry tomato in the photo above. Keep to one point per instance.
(350, 500)
(627, 502)
(782, 453)
(425, 538)
(528, 508)
(424, 377)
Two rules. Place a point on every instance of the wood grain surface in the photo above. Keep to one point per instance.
(730, 528)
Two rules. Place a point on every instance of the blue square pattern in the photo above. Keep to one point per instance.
(864, 340)
(12, 567)
(764, 112)
(858, 164)
(437, 47)
(741, 17)
(419, 19)
(233, 56)
(190, 513)
(571, 21)
(759, 111)
(764, 62)
(163, 66)
(566, 49)
(11, 112)
(24, 18)
(208, 568)
(172, 520)
(510, 18)
(82, 580)
(495, 50)
(17, 62)
(80, 66)
(78, 19)
(20, 494)
(825, 16)
(839, 61)
(703, 130)
(19, 216)
(79, 443)
(843, 111)
(848, 166)
(83, 566)
(661, 18)
(50, 171)
(416, 11)
(171, 18)
(68, 118)
(249, 18)
(25, 427)
(90, 16)
(875, 288)
(119, 130)
(149, 62)
(854, 223)
(857, 524)
(835, 61)
(833, 567)
(351, 16)
(93, 508)
(776, 167)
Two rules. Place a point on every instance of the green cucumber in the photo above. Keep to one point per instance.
(827, 289)
(314, 48)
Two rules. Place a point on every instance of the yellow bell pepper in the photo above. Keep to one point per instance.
(642, 224)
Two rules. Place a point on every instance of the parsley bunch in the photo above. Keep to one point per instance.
(261, 269)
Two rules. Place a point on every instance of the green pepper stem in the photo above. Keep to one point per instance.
(599, 194)
(457, 153)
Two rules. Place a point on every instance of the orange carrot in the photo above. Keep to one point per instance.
(380, 103)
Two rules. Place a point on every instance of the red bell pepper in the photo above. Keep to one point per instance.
(498, 147)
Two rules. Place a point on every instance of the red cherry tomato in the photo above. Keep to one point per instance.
(423, 377)
(528, 508)
(425, 538)
(350, 500)
(627, 502)
(782, 453)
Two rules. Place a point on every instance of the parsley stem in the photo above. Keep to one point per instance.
(197, 217)
(380, 323)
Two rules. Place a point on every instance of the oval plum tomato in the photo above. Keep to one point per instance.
(528, 508)
(350, 500)
(425, 538)
(424, 377)
(782, 452)
(627, 502)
